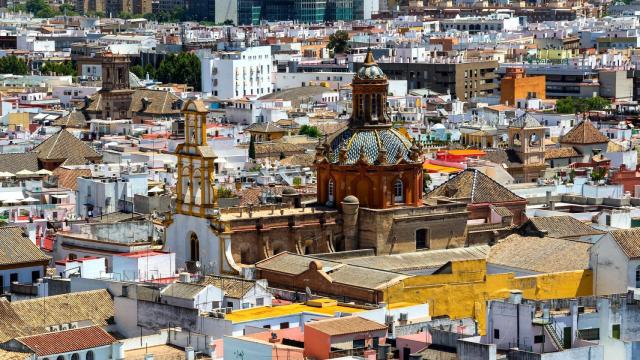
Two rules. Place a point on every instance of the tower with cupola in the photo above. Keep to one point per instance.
(189, 234)
(369, 160)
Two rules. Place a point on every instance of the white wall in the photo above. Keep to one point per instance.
(609, 265)
(143, 268)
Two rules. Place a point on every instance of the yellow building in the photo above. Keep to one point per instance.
(18, 121)
(462, 288)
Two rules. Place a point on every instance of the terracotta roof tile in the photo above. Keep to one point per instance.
(67, 341)
(629, 241)
(472, 184)
(62, 146)
(29, 317)
(68, 178)
(560, 153)
(563, 226)
(232, 287)
(540, 254)
(346, 325)
(14, 162)
(17, 248)
(584, 133)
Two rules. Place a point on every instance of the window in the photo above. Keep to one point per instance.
(398, 191)
(35, 275)
(89, 355)
(13, 278)
(259, 301)
(615, 331)
(330, 190)
(75, 356)
(421, 239)
(496, 333)
(266, 326)
(229, 304)
(284, 325)
(538, 339)
(60, 357)
(358, 344)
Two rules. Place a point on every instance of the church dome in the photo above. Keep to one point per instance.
(374, 146)
(370, 69)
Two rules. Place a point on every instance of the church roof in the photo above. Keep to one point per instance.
(584, 133)
(144, 101)
(62, 146)
(369, 142)
(526, 120)
(75, 119)
(472, 184)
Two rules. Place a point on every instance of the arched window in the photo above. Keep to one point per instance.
(89, 355)
(194, 247)
(75, 356)
(60, 357)
(398, 191)
(330, 190)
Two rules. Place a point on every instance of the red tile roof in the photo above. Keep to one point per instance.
(67, 341)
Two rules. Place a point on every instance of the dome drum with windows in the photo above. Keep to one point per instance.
(369, 160)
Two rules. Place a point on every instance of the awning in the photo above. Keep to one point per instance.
(60, 196)
(30, 200)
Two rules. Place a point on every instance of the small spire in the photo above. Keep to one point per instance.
(369, 60)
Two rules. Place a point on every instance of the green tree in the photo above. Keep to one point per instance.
(297, 181)
(68, 9)
(310, 131)
(149, 69)
(57, 68)
(252, 149)
(339, 42)
(35, 6)
(137, 70)
(571, 105)
(183, 68)
(13, 65)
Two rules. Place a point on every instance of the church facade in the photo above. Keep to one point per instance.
(369, 190)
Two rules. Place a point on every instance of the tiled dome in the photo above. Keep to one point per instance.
(369, 142)
(370, 69)
(372, 72)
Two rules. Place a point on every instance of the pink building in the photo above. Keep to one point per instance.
(343, 336)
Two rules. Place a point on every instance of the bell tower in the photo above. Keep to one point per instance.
(196, 191)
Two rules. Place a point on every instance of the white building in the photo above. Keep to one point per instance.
(615, 262)
(232, 74)
(144, 265)
(192, 296)
(90, 267)
(69, 94)
(331, 80)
